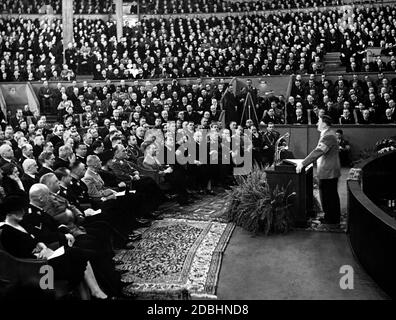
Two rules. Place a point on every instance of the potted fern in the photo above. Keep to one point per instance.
(255, 208)
(282, 221)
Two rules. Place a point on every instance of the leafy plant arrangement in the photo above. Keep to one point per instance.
(282, 218)
(385, 145)
(381, 146)
(255, 208)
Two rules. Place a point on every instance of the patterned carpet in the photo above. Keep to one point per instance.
(180, 256)
(206, 208)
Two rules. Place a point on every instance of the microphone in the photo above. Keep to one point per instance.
(277, 149)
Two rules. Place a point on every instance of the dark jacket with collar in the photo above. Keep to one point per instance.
(43, 226)
(28, 181)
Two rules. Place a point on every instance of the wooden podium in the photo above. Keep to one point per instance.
(301, 183)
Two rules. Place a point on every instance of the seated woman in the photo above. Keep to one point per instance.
(12, 183)
(167, 173)
(71, 266)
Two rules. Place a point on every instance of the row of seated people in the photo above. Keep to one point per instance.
(95, 44)
(32, 49)
(154, 104)
(356, 43)
(217, 6)
(67, 212)
(362, 100)
(64, 190)
(273, 44)
(173, 50)
(55, 6)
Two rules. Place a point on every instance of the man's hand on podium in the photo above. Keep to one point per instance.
(299, 167)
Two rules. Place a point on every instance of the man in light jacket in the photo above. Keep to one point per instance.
(328, 170)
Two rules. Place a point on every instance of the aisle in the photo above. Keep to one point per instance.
(300, 265)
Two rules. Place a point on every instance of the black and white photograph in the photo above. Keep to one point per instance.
(189, 158)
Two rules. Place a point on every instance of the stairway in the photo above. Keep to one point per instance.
(51, 118)
(333, 63)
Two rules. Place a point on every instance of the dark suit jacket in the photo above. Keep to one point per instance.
(11, 187)
(43, 171)
(326, 152)
(18, 243)
(28, 181)
(61, 163)
(302, 120)
(3, 162)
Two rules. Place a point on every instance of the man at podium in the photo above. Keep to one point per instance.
(328, 170)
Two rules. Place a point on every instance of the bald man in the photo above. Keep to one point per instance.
(40, 224)
(29, 177)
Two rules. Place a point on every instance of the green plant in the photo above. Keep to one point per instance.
(282, 217)
(255, 208)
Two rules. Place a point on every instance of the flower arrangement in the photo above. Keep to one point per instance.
(385, 145)
(255, 208)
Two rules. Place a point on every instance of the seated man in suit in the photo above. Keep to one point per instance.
(81, 152)
(176, 178)
(271, 117)
(366, 117)
(29, 177)
(388, 117)
(346, 117)
(7, 156)
(299, 118)
(65, 158)
(46, 159)
(27, 153)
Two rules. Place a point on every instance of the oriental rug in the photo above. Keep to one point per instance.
(175, 259)
(207, 208)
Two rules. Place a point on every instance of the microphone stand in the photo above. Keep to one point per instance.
(278, 150)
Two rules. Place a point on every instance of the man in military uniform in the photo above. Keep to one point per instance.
(40, 224)
(147, 190)
(270, 136)
(124, 207)
(93, 238)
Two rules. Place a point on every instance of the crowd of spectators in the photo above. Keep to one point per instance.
(249, 45)
(219, 6)
(111, 161)
(55, 6)
(30, 49)
(31, 6)
(362, 100)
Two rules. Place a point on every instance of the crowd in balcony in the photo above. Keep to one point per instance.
(249, 45)
(220, 6)
(55, 7)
